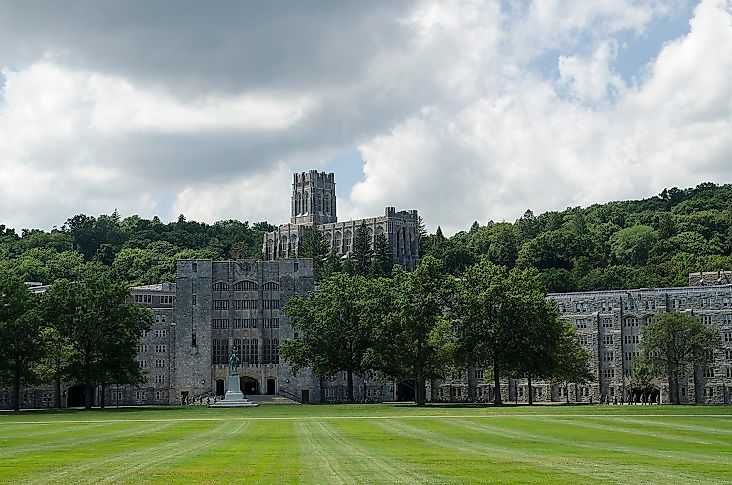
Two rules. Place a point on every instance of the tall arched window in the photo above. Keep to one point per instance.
(337, 242)
(283, 245)
(348, 237)
(319, 204)
(326, 204)
(306, 203)
(298, 204)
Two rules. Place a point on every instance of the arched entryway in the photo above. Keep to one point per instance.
(219, 387)
(76, 397)
(249, 386)
(405, 391)
(649, 395)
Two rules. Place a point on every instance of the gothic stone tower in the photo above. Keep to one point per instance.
(313, 198)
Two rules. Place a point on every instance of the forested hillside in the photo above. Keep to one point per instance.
(653, 242)
(619, 245)
(139, 251)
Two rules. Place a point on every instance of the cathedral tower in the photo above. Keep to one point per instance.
(313, 198)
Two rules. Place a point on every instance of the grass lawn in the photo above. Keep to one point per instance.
(370, 444)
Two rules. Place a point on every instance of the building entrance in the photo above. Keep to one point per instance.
(249, 385)
(270, 386)
(77, 396)
(219, 387)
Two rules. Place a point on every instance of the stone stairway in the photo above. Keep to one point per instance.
(267, 399)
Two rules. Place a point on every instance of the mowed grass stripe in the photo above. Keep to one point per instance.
(174, 452)
(618, 426)
(565, 440)
(723, 427)
(323, 460)
(384, 468)
(257, 453)
(575, 467)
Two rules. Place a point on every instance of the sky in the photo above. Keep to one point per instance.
(464, 110)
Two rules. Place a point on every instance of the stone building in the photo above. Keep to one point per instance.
(313, 202)
(610, 326)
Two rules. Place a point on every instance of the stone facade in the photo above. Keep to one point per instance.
(610, 326)
(314, 202)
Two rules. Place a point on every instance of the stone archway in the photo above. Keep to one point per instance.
(249, 385)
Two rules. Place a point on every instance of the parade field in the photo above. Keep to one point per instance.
(370, 444)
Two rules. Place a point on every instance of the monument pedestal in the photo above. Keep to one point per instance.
(234, 397)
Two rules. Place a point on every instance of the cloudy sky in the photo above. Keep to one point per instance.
(465, 110)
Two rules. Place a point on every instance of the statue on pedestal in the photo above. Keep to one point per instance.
(233, 362)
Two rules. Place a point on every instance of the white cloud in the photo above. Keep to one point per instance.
(443, 99)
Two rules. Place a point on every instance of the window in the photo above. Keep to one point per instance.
(271, 304)
(160, 348)
(631, 339)
(676, 304)
(583, 340)
(729, 371)
(607, 322)
(728, 319)
(141, 348)
(194, 299)
(221, 304)
(145, 333)
(607, 339)
(705, 302)
(708, 392)
(143, 364)
(159, 378)
(245, 286)
(138, 298)
(139, 396)
(706, 319)
(220, 286)
(581, 323)
(147, 298)
(330, 393)
(161, 333)
(708, 372)
(271, 286)
(479, 374)
(193, 339)
(728, 336)
(607, 357)
(271, 322)
(159, 395)
(194, 267)
(220, 351)
(728, 354)
(166, 299)
(609, 373)
(159, 363)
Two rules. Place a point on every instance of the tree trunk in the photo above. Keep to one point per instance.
(471, 383)
(496, 382)
(676, 396)
(16, 391)
(349, 387)
(566, 391)
(102, 397)
(419, 388)
(576, 393)
(57, 392)
(531, 398)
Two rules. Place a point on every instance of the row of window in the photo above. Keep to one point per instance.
(630, 304)
(141, 396)
(247, 350)
(159, 348)
(245, 286)
(245, 304)
(159, 363)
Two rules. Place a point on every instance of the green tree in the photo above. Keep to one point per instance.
(362, 251)
(633, 245)
(572, 362)
(102, 330)
(537, 329)
(314, 246)
(383, 259)
(335, 332)
(412, 337)
(674, 343)
(20, 333)
(332, 264)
